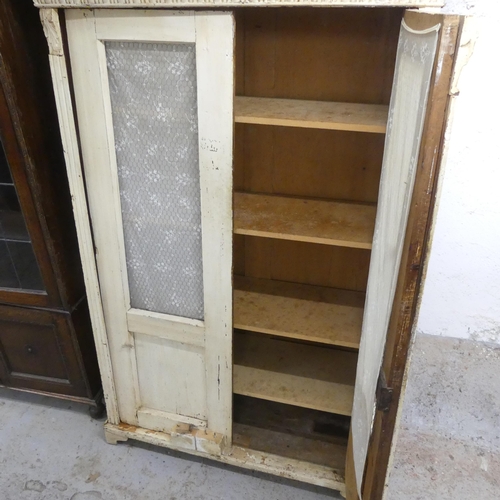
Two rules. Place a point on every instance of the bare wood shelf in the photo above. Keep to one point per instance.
(304, 312)
(295, 374)
(314, 221)
(286, 445)
(311, 114)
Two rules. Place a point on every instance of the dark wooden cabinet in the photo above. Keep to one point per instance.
(46, 341)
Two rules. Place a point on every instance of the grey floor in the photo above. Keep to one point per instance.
(52, 450)
(449, 438)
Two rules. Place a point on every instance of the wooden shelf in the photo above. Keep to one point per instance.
(311, 114)
(314, 221)
(286, 445)
(296, 374)
(316, 314)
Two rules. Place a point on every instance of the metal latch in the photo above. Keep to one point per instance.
(384, 393)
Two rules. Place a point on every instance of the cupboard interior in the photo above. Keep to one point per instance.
(312, 92)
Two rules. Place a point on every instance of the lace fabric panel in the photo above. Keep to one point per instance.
(414, 63)
(154, 109)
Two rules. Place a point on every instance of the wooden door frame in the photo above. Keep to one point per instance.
(413, 265)
(19, 162)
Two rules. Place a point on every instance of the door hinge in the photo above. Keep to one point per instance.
(384, 393)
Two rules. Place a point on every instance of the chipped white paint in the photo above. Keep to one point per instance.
(86, 64)
(414, 64)
(177, 329)
(168, 365)
(67, 126)
(215, 66)
(233, 3)
(209, 445)
(51, 28)
(163, 421)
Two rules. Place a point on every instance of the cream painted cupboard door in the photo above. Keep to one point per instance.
(154, 101)
(415, 62)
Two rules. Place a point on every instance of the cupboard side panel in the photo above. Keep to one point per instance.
(67, 125)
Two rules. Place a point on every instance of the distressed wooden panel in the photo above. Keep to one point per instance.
(414, 66)
(170, 372)
(171, 376)
(286, 445)
(175, 328)
(166, 422)
(290, 468)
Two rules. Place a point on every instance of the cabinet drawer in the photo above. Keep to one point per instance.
(38, 351)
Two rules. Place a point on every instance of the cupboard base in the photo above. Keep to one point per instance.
(205, 444)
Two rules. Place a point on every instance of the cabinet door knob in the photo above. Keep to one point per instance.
(30, 349)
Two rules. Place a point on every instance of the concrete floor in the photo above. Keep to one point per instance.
(52, 450)
(449, 440)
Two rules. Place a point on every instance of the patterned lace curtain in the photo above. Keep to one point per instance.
(154, 108)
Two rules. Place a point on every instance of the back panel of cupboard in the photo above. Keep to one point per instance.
(343, 55)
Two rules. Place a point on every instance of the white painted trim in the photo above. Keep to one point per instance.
(159, 420)
(123, 26)
(167, 327)
(199, 326)
(114, 205)
(215, 69)
(50, 21)
(420, 32)
(235, 3)
(96, 135)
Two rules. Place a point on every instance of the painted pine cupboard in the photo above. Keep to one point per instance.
(242, 183)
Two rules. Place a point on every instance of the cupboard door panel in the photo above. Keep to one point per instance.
(154, 94)
(167, 371)
(414, 67)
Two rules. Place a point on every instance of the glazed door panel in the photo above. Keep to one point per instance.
(154, 94)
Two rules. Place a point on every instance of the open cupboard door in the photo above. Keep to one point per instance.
(154, 98)
(415, 62)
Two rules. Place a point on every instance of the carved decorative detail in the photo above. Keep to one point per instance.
(234, 3)
(51, 28)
